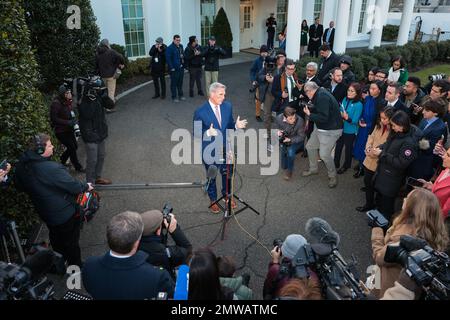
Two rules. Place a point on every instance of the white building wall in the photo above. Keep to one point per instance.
(263, 9)
(429, 20)
(109, 20)
(329, 13)
(232, 9)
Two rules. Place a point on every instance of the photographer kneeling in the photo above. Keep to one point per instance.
(291, 132)
(280, 272)
(154, 243)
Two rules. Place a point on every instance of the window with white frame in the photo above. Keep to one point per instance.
(318, 4)
(208, 14)
(133, 25)
(362, 16)
(282, 11)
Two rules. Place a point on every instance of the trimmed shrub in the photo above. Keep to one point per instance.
(390, 32)
(22, 107)
(221, 30)
(358, 68)
(61, 52)
(383, 58)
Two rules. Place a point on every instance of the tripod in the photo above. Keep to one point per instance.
(227, 210)
(8, 228)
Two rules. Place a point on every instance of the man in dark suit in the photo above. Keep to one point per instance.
(123, 273)
(328, 35)
(392, 98)
(271, 24)
(315, 38)
(286, 88)
(215, 117)
(335, 85)
(329, 61)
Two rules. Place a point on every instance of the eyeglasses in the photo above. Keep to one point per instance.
(293, 68)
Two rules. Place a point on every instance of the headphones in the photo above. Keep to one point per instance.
(40, 147)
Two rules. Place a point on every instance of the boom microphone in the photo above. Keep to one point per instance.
(323, 238)
(210, 175)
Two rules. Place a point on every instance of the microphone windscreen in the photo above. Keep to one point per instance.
(39, 263)
(320, 231)
(212, 172)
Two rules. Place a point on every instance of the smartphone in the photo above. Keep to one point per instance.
(4, 165)
(414, 182)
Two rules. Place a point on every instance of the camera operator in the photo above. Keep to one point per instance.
(107, 62)
(52, 190)
(158, 67)
(254, 71)
(279, 273)
(420, 216)
(64, 124)
(154, 244)
(212, 53)
(123, 273)
(291, 132)
(4, 178)
(194, 62)
(94, 131)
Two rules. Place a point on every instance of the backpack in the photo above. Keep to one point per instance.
(88, 204)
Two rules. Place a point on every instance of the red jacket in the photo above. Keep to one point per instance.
(441, 189)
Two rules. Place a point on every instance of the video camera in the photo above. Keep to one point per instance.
(92, 87)
(429, 268)
(270, 64)
(339, 279)
(435, 77)
(29, 281)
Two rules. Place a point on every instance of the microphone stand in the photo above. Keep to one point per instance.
(228, 211)
(138, 186)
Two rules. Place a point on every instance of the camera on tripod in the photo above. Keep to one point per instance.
(29, 281)
(435, 77)
(429, 268)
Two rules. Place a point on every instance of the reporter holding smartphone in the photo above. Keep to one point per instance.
(441, 187)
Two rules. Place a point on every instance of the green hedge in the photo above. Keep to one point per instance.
(22, 108)
(390, 32)
(61, 52)
(416, 55)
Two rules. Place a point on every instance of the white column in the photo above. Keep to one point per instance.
(354, 19)
(329, 12)
(405, 24)
(380, 18)
(308, 12)
(294, 29)
(340, 36)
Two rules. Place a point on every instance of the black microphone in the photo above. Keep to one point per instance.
(210, 175)
(323, 238)
(39, 263)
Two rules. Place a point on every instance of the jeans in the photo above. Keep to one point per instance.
(68, 140)
(288, 153)
(176, 83)
(65, 240)
(95, 157)
(156, 81)
(322, 142)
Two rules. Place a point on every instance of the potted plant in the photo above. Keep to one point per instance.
(222, 31)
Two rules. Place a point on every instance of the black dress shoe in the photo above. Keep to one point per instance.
(200, 93)
(363, 189)
(163, 97)
(191, 94)
(364, 208)
(258, 118)
(342, 170)
(156, 96)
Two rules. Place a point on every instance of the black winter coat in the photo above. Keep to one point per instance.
(212, 55)
(399, 151)
(50, 186)
(158, 60)
(92, 120)
(107, 61)
(111, 278)
(326, 65)
(192, 60)
(153, 246)
(325, 111)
